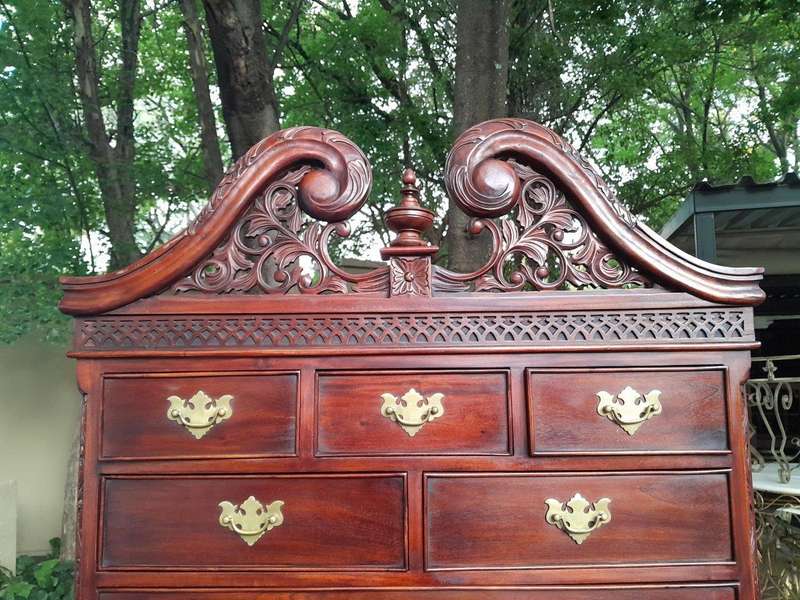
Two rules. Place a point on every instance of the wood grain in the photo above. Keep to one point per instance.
(457, 511)
(564, 410)
(475, 419)
(330, 522)
(650, 593)
(263, 420)
(477, 522)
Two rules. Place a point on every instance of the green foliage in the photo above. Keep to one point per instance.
(659, 95)
(39, 577)
(363, 74)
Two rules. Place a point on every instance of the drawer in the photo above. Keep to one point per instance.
(544, 593)
(324, 522)
(190, 415)
(643, 410)
(501, 521)
(413, 412)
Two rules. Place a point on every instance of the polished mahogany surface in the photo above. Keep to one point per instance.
(692, 593)
(330, 522)
(564, 415)
(262, 422)
(475, 404)
(564, 423)
(658, 517)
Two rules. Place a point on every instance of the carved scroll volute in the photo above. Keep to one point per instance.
(547, 242)
(335, 183)
(565, 227)
(332, 193)
(409, 254)
(264, 248)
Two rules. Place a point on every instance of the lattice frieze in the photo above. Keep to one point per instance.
(428, 329)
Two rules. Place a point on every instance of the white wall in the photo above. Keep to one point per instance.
(39, 410)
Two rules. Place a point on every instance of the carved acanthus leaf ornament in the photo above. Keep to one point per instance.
(274, 248)
(539, 241)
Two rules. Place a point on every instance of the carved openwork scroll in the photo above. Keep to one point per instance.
(554, 225)
(539, 241)
(543, 242)
(266, 248)
(271, 241)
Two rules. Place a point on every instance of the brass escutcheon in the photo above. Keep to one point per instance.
(629, 409)
(578, 517)
(251, 519)
(412, 410)
(199, 413)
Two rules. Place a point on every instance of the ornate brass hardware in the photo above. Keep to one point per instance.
(578, 517)
(629, 409)
(412, 410)
(199, 413)
(251, 519)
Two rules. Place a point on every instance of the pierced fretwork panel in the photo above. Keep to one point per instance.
(276, 248)
(543, 243)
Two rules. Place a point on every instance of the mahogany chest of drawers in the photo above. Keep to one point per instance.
(565, 423)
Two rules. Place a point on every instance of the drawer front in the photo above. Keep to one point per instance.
(195, 415)
(627, 411)
(501, 521)
(572, 593)
(413, 412)
(307, 522)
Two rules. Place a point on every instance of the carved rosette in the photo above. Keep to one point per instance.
(541, 242)
(410, 276)
(273, 247)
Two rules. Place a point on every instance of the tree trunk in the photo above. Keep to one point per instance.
(244, 73)
(212, 158)
(113, 165)
(480, 93)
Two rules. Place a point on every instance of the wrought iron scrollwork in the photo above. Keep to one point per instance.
(771, 399)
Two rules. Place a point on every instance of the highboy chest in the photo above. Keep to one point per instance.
(564, 423)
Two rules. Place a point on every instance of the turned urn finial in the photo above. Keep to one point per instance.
(409, 221)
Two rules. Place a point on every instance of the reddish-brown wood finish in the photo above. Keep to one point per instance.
(649, 593)
(263, 420)
(330, 522)
(457, 511)
(475, 419)
(497, 521)
(564, 416)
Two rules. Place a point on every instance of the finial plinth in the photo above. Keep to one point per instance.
(409, 221)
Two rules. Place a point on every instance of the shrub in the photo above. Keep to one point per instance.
(39, 577)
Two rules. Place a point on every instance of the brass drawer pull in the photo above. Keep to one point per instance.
(199, 413)
(412, 410)
(251, 519)
(578, 517)
(629, 409)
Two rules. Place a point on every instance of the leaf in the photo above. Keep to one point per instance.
(44, 572)
(17, 589)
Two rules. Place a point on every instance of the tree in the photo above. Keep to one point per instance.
(113, 164)
(657, 95)
(209, 140)
(245, 69)
(480, 93)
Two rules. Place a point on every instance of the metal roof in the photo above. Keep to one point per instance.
(745, 223)
(745, 194)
